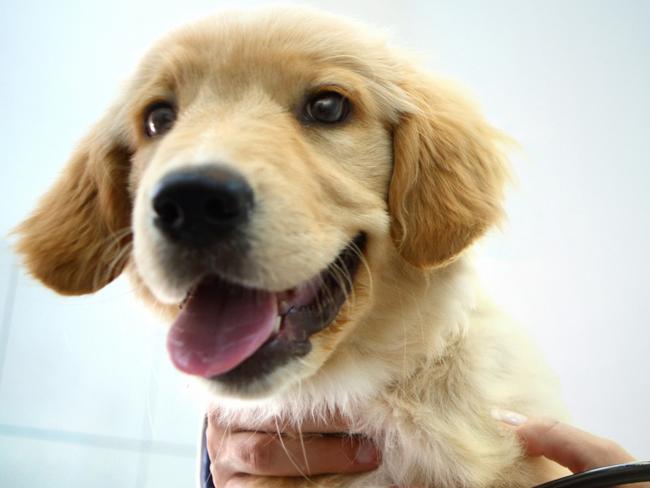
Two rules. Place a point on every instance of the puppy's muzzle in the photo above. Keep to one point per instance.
(197, 207)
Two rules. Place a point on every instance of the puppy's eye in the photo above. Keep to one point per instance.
(327, 107)
(159, 118)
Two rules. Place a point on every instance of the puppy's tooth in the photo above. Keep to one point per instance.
(276, 326)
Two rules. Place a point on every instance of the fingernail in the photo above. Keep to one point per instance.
(509, 417)
(366, 453)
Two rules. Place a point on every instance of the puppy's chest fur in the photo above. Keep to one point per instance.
(420, 379)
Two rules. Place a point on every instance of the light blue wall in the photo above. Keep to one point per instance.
(87, 396)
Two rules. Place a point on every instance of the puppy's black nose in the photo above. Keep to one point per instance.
(200, 206)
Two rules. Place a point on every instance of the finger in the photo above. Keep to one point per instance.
(271, 455)
(569, 446)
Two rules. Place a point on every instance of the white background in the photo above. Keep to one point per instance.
(87, 396)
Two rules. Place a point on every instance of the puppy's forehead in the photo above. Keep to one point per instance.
(283, 53)
(278, 36)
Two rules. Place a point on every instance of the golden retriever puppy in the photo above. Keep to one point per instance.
(297, 196)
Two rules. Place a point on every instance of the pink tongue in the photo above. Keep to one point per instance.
(220, 327)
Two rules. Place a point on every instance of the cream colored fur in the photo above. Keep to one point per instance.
(420, 377)
(418, 356)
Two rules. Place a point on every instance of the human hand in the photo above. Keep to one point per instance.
(566, 445)
(240, 455)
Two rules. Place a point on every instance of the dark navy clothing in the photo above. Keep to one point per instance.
(206, 476)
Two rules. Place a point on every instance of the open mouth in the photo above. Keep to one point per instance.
(233, 334)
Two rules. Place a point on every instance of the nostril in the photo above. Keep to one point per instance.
(169, 212)
(220, 210)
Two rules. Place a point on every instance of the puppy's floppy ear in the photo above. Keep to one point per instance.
(448, 176)
(74, 241)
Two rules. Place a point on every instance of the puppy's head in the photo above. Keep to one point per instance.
(254, 174)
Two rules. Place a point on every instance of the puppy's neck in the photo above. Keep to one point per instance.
(418, 313)
(404, 332)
